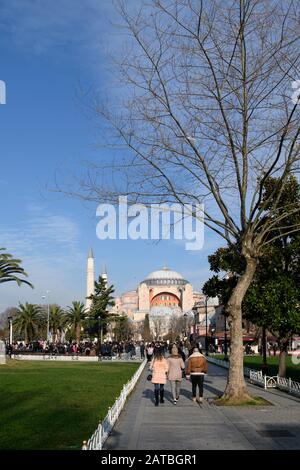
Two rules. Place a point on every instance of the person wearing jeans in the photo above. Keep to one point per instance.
(176, 366)
(197, 381)
(196, 369)
(159, 367)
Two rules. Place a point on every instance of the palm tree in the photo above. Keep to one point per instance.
(28, 321)
(75, 316)
(57, 321)
(10, 269)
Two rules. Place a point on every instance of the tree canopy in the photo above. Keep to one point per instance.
(273, 298)
(102, 300)
(11, 269)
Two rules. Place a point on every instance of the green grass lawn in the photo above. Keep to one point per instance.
(254, 362)
(56, 405)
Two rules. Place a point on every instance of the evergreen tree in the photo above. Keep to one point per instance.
(146, 330)
(123, 329)
(98, 315)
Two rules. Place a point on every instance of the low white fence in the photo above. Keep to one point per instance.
(104, 428)
(53, 357)
(218, 362)
(73, 357)
(258, 378)
(288, 385)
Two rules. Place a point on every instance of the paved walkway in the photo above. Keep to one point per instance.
(190, 426)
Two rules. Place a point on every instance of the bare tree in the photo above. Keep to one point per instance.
(208, 116)
(179, 325)
(158, 326)
(175, 327)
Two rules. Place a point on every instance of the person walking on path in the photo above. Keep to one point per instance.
(159, 367)
(181, 353)
(176, 366)
(150, 350)
(196, 369)
(142, 349)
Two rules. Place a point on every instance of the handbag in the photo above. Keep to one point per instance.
(183, 373)
(149, 377)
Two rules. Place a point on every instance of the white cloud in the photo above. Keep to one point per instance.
(40, 231)
(48, 245)
(44, 24)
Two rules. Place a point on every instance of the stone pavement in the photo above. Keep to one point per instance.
(190, 426)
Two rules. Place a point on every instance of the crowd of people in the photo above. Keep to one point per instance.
(47, 347)
(108, 349)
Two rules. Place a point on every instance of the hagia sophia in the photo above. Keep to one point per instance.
(161, 294)
(164, 294)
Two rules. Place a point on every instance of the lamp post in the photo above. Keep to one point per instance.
(48, 313)
(99, 341)
(185, 317)
(195, 312)
(100, 332)
(206, 327)
(226, 277)
(264, 350)
(196, 309)
(213, 339)
(10, 331)
(225, 338)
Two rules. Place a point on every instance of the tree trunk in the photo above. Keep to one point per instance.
(282, 359)
(78, 330)
(236, 390)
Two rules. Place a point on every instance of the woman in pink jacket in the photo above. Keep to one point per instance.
(159, 367)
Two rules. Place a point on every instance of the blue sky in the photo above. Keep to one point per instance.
(48, 48)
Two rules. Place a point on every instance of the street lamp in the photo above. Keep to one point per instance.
(185, 317)
(196, 308)
(206, 327)
(226, 277)
(225, 338)
(264, 350)
(10, 319)
(100, 329)
(48, 313)
(213, 339)
(195, 312)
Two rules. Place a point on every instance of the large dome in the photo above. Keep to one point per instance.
(164, 273)
(164, 276)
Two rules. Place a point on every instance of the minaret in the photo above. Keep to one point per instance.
(90, 278)
(104, 275)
